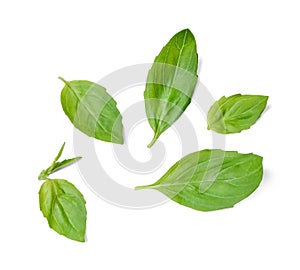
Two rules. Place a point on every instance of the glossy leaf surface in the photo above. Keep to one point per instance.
(64, 207)
(211, 179)
(92, 110)
(171, 82)
(235, 113)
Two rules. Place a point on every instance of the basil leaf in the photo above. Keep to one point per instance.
(235, 113)
(62, 164)
(59, 153)
(171, 82)
(55, 165)
(211, 179)
(64, 207)
(92, 110)
(61, 202)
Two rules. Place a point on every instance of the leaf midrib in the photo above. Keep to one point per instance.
(229, 181)
(87, 108)
(171, 85)
(233, 116)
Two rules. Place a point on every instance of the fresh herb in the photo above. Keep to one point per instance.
(55, 166)
(211, 179)
(171, 82)
(62, 203)
(235, 113)
(92, 110)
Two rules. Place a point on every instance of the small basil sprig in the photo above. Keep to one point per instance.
(55, 166)
(211, 179)
(171, 82)
(61, 202)
(235, 113)
(92, 110)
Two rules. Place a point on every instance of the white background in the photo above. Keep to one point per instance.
(245, 46)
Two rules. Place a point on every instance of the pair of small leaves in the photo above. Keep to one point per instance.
(211, 179)
(61, 202)
(57, 165)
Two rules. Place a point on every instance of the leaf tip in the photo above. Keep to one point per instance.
(187, 30)
(78, 158)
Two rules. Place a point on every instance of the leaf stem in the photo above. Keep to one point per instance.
(152, 186)
(140, 187)
(63, 80)
(153, 140)
(55, 165)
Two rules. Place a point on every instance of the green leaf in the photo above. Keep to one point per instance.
(235, 113)
(55, 166)
(64, 207)
(61, 202)
(92, 110)
(62, 164)
(171, 82)
(211, 179)
(59, 153)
